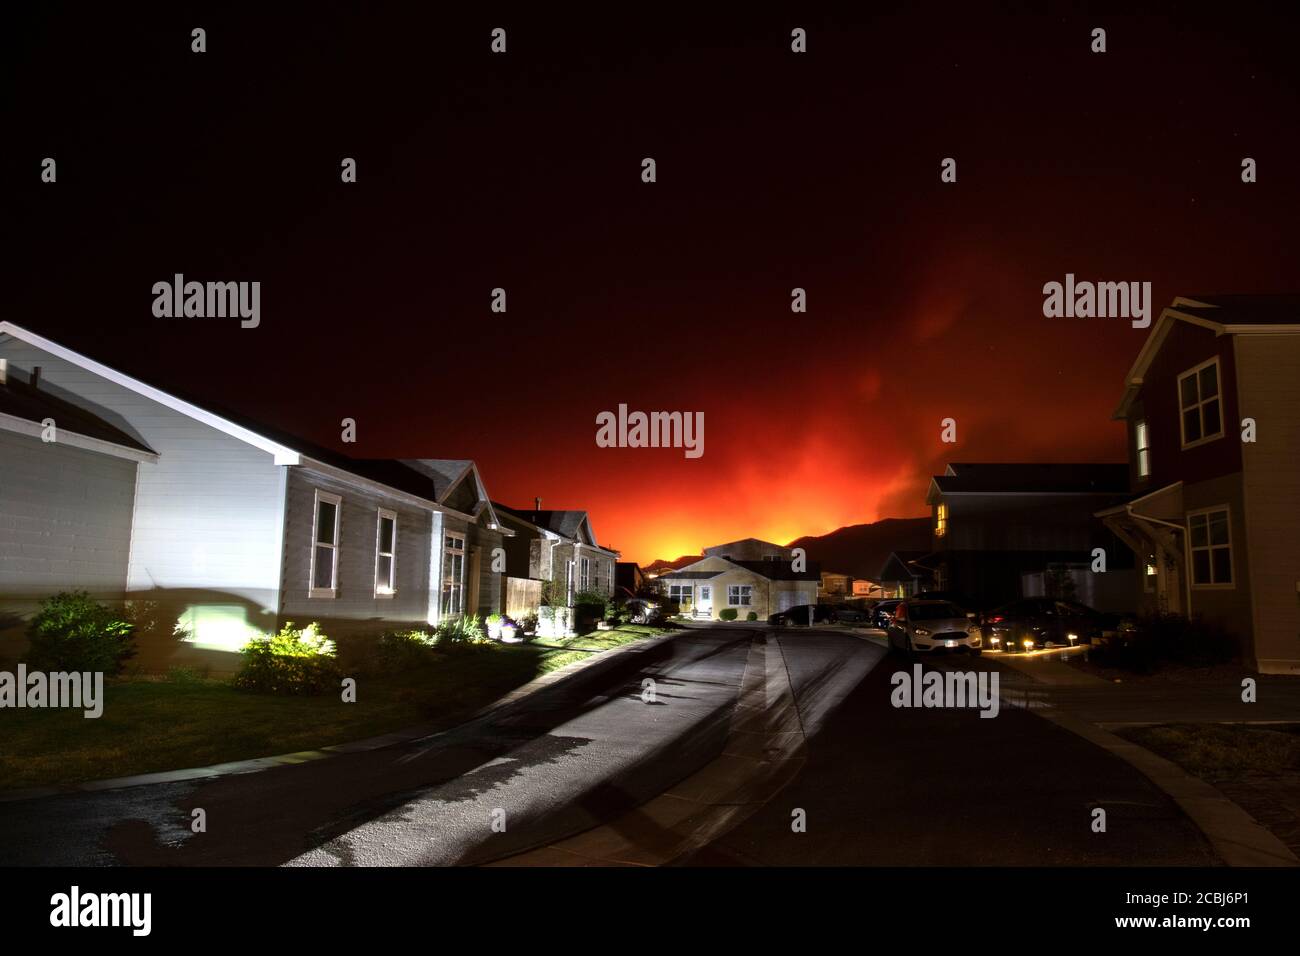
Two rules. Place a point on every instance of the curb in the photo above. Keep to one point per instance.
(1232, 832)
(403, 735)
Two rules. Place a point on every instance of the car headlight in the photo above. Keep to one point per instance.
(921, 632)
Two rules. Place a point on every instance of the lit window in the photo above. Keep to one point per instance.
(941, 520)
(683, 594)
(740, 595)
(1210, 540)
(453, 575)
(1143, 444)
(1149, 578)
(1199, 403)
(325, 546)
(386, 554)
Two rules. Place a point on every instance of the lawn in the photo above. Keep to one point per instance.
(153, 724)
(1217, 752)
(1257, 767)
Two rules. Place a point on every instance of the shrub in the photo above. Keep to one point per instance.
(728, 614)
(463, 631)
(73, 632)
(751, 616)
(399, 651)
(1167, 638)
(294, 661)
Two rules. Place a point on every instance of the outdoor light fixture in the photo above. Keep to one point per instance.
(1072, 637)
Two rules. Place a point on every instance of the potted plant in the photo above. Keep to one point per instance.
(494, 623)
(510, 631)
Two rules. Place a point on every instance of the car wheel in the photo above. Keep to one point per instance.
(640, 617)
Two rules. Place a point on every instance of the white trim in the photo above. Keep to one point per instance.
(1195, 373)
(1189, 548)
(1142, 443)
(24, 426)
(390, 589)
(332, 591)
(283, 454)
(463, 551)
(388, 491)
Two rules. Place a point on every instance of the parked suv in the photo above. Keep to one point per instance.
(921, 625)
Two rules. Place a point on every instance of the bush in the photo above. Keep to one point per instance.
(751, 616)
(728, 614)
(73, 632)
(464, 631)
(399, 651)
(1167, 638)
(294, 661)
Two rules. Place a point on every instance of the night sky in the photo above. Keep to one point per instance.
(775, 170)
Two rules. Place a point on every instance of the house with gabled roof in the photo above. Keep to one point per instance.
(553, 556)
(1211, 406)
(1002, 531)
(761, 587)
(222, 525)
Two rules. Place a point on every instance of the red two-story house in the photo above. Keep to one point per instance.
(1212, 407)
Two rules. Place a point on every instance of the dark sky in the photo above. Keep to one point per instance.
(775, 170)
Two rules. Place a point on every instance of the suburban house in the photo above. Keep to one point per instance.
(749, 576)
(219, 526)
(1212, 409)
(552, 557)
(901, 577)
(1005, 531)
(628, 574)
(835, 588)
(750, 549)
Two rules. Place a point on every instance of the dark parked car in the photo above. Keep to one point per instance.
(883, 613)
(1032, 623)
(799, 614)
(848, 614)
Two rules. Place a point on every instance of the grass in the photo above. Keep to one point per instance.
(152, 724)
(1220, 752)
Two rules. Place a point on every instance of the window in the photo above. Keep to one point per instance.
(1143, 444)
(325, 546)
(568, 583)
(740, 595)
(683, 594)
(1198, 400)
(453, 575)
(1149, 578)
(386, 554)
(941, 520)
(585, 577)
(1210, 544)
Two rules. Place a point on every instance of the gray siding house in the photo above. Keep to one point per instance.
(556, 550)
(111, 485)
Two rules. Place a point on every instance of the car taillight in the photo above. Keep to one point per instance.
(996, 619)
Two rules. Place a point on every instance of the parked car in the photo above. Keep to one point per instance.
(1032, 623)
(641, 610)
(799, 614)
(922, 625)
(848, 614)
(964, 601)
(883, 612)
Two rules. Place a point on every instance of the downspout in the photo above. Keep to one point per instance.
(1187, 570)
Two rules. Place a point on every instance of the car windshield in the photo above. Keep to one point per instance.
(933, 612)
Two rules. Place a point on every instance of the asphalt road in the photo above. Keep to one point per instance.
(878, 785)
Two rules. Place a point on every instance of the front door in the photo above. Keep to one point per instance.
(704, 606)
